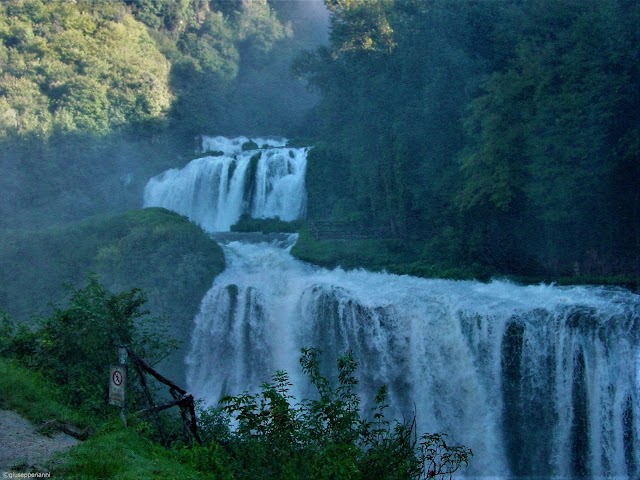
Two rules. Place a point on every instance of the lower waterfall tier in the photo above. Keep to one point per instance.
(537, 380)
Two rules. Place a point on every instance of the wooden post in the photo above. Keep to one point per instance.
(122, 359)
(147, 394)
(182, 399)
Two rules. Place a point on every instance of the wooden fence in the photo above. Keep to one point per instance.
(180, 396)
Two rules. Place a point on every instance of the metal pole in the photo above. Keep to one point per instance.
(122, 359)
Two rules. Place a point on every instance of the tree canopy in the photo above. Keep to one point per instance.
(498, 134)
(98, 94)
(86, 66)
(502, 134)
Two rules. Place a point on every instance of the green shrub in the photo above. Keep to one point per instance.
(30, 394)
(265, 225)
(75, 346)
(276, 437)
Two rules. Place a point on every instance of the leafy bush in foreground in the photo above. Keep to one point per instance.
(267, 435)
(76, 344)
(274, 436)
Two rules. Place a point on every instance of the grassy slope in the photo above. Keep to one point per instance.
(152, 249)
(395, 257)
(29, 394)
(112, 452)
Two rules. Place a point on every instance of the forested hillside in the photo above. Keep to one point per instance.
(97, 96)
(483, 133)
(447, 138)
(171, 260)
(497, 136)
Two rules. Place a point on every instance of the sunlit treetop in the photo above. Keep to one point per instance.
(361, 25)
(87, 66)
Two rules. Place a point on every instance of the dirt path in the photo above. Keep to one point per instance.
(23, 448)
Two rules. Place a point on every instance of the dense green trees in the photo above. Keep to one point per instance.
(87, 66)
(80, 81)
(493, 133)
(496, 134)
(93, 66)
(548, 133)
(96, 97)
(76, 344)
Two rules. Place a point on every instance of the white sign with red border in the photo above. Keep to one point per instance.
(117, 382)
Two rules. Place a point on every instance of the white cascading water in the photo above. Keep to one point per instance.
(539, 381)
(214, 191)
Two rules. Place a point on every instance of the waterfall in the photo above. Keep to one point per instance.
(539, 381)
(235, 178)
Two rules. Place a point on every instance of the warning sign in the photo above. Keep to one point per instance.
(117, 382)
(117, 378)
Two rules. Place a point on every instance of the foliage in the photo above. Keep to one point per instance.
(76, 344)
(562, 101)
(493, 134)
(361, 26)
(258, 28)
(265, 225)
(396, 256)
(157, 250)
(119, 453)
(273, 434)
(93, 66)
(71, 176)
(111, 451)
(218, 53)
(88, 67)
(96, 97)
(375, 254)
(276, 436)
(33, 396)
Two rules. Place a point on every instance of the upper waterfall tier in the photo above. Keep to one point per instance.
(235, 179)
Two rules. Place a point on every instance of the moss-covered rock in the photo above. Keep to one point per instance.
(250, 145)
(265, 225)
